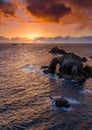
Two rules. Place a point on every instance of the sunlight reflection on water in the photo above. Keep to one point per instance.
(25, 91)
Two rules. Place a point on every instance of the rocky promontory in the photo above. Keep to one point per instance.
(71, 66)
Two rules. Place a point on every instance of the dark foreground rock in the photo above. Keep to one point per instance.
(71, 67)
(61, 102)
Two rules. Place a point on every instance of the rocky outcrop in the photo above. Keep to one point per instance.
(88, 71)
(70, 67)
(61, 102)
(56, 50)
(84, 59)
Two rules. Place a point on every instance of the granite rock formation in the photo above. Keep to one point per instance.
(71, 66)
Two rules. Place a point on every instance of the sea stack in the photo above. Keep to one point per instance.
(71, 66)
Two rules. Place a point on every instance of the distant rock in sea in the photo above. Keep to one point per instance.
(56, 50)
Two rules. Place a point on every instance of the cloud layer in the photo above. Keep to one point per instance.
(81, 3)
(57, 11)
(58, 39)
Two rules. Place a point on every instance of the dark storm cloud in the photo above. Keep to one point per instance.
(81, 3)
(49, 10)
(7, 8)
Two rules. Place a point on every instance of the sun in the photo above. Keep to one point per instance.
(33, 36)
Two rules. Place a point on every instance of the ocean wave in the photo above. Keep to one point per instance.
(30, 68)
(86, 91)
(72, 101)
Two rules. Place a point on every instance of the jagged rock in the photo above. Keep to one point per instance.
(88, 71)
(61, 102)
(44, 67)
(84, 59)
(46, 71)
(56, 50)
(71, 66)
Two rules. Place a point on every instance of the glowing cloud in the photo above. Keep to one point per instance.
(7, 8)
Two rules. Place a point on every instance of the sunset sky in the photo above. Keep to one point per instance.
(30, 20)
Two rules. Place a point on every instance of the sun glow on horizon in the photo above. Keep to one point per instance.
(28, 21)
(33, 36)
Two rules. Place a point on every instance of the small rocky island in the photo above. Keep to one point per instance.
(61, 102)
(71, 66)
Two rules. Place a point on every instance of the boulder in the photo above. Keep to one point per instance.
(61, 102)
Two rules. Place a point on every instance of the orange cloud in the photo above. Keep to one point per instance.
(77, 12)
(7, 9)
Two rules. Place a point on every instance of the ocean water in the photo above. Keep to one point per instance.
(25, 90)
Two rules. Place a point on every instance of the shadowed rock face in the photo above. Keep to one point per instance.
(71, 66)
(88, 71)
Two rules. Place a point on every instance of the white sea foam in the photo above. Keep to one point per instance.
(63, 108)
(51, 102)
(86, 91)
(72, 101)
(30, 68)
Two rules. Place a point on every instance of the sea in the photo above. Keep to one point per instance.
(25, 90)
